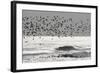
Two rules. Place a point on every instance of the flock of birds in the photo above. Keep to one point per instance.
(54, 26)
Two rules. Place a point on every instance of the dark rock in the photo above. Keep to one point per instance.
(65, 48)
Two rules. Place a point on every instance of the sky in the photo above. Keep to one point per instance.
(82, 20)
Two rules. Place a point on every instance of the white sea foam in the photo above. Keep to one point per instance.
(48, 44)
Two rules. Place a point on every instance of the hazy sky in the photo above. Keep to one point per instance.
(75, 15)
